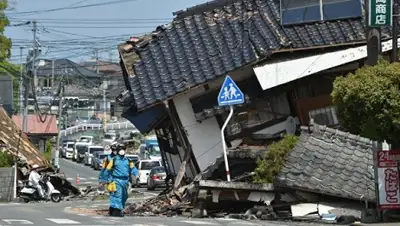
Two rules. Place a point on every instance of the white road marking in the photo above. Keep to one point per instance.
(150, 193)
(93, 178)
(17, 221)
(199, 222)
(62, 221)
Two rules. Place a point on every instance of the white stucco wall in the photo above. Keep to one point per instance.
(205, 137)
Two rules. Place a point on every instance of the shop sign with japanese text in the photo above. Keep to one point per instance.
(388, 181)
(380, 13)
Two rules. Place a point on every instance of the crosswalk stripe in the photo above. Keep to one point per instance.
(82, 178)
(16, 221)
(199, 222)
(62, 221)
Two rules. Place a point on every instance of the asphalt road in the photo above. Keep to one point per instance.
(72, 170)
(87, 175)
(58, 214)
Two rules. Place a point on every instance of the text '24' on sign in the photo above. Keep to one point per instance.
(380, 13)
(230, 94)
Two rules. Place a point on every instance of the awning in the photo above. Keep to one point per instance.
(275, 73)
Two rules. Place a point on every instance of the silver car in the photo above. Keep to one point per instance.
(156, 178)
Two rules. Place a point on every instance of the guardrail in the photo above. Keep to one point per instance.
(91, 126)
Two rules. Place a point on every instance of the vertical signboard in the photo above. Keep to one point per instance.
(388, 181)
(380, 13)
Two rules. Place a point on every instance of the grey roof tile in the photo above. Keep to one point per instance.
(330, 162)
(201, 46)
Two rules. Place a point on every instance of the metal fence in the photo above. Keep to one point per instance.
(96, 126)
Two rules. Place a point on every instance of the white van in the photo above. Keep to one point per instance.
(90, 152)
(144, 167)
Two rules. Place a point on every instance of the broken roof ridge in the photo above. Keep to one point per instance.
(316, 128)
(201, 8)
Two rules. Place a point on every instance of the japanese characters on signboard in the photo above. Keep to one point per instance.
(380, 13)
(388, 181)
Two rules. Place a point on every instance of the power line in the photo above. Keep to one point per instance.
(70, 7)
(93, 19)
(101, 27)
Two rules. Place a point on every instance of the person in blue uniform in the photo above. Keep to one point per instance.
(114, 151)
(118, 173)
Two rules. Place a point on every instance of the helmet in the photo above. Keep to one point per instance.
(114, 146)
(121, 147)
(35, 166)
(121, 152)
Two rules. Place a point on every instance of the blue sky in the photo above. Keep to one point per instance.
(76, 33)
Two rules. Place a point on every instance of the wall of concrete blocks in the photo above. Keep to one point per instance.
(6, 184)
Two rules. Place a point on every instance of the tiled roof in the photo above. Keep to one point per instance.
(65, 67)
(200, 47)
(36, 126)
(18, 142)
(330, 162)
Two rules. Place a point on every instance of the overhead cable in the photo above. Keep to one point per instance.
(69, 8)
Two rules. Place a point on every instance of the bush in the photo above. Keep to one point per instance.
(49, 146)
(6, 160)
(269, 166)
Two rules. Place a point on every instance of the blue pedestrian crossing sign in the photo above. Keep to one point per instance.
(230, 94)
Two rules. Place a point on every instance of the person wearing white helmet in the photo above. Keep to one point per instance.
(118, 174)
(34, 180)
(114, 151)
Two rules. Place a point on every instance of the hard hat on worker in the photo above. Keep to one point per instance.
(35, 166)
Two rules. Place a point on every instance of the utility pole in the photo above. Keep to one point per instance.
(35, 51)
(26, 96)
(56, 152)
(104, 105)
(395, 31)
(96, 54)
(52, 73)
(21, 83)
(373, 39)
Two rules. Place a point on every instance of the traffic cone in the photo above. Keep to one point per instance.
(78, 179)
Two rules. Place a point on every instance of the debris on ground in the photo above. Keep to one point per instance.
(161, 205)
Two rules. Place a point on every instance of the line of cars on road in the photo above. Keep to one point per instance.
(151, 172)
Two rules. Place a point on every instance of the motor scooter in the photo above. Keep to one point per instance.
(29, 193)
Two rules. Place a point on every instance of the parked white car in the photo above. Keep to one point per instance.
(68, 150)
(144, 167)
(90, 153)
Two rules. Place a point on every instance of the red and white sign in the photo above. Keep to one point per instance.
(388, 180)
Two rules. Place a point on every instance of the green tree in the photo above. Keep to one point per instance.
(6, 160)
(6, 68)
(5, 43)
(269, 166)
(368, 101)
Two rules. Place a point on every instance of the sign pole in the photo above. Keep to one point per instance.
(229, 95)
(228, 175)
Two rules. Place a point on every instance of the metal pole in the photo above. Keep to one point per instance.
(59, 116)
(15, 174)
(373, 40)
(26, 96)
(21, 83)
(228, 176)
(104, 108)
(97, 61)
(34, 55)
(395, 31)
(52, 73)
